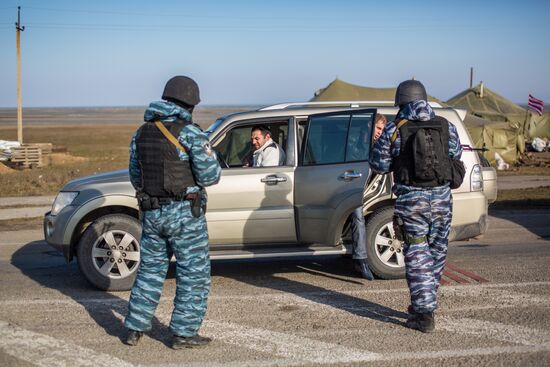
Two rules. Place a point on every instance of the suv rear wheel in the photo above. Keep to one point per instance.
(385, 252)
(108, 252)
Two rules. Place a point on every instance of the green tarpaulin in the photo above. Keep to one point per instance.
(483, 102)
(339, 90)
(539, 126)
(493, 122)
(497, 137)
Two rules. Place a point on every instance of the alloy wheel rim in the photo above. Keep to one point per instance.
(115, 254)
(389, 249)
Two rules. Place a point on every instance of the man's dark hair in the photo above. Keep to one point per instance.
(264, 129)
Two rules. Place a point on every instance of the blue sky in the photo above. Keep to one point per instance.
(116, 53)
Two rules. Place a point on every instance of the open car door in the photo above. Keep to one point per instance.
(332, 171)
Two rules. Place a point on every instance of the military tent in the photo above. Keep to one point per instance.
(497, 137)
(339, 90)
(483, 102)
(539, 126)
(494, 121)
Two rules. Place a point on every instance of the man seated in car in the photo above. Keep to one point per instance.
(266, 152)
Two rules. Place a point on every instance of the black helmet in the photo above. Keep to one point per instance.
(409, 91)
(182, 89)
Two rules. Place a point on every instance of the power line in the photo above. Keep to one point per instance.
(230, 27)
(178, 15)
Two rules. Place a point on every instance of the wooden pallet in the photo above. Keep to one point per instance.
(26, 156)
(45, 147)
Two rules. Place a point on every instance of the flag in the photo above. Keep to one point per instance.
(536, 104)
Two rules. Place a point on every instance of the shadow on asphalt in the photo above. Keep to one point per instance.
(538, 225)
(269, 274)
(48, 268)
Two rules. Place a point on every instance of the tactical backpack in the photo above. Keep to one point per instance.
(423, 159)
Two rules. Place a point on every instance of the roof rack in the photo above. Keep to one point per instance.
(282, 106)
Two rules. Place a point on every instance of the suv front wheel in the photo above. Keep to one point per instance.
(385, 252)
(108, 252)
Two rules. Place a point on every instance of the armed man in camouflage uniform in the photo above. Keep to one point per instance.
(171, 161)
(423, 209)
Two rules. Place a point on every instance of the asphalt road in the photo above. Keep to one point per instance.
(494, 310)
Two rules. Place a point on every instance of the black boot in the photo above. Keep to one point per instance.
(362, 267)
(424, 322)
(133, 337)
(189, 341)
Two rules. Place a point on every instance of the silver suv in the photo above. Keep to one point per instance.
(297, 209)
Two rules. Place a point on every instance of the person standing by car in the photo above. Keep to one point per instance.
(358, 231)
(171, 161)
(267, 153)
(418, 147)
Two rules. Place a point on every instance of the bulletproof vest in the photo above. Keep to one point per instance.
(163, 174)
(423, 159)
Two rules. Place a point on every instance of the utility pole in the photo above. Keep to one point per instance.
(471, 77)
(18, 30)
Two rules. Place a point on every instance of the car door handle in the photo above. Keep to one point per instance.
(350, 175)
(273, 180)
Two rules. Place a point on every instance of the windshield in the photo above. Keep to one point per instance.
(214, 126)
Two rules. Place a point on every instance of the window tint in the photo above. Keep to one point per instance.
(326, 140)
(235, 146)
(360, 131)
(338, 138)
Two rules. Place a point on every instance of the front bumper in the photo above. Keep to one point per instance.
(54, 233)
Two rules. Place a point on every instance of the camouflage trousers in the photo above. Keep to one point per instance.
(427, 218)
(166, 231)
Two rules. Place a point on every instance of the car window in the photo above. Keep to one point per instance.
(326, 140)
(358, 145)
(236, 147)
(332, 139)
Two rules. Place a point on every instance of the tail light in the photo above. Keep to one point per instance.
(476, 179)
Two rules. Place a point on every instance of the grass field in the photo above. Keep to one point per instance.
(90, 148)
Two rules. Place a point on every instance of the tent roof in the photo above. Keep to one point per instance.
(473, 121)
(339, 90)
(490, 105)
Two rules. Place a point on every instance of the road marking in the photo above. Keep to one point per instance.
(45, 351)
(469, 274)
(285, 345)
(386, 357)
(460, 276)
(457, 278)
(469, 290)
(497, 298)
(494, 330)
(292, 349)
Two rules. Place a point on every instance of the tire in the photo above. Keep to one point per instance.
(385, 252)
(105, 267)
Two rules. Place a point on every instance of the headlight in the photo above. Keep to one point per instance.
(62, 200)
